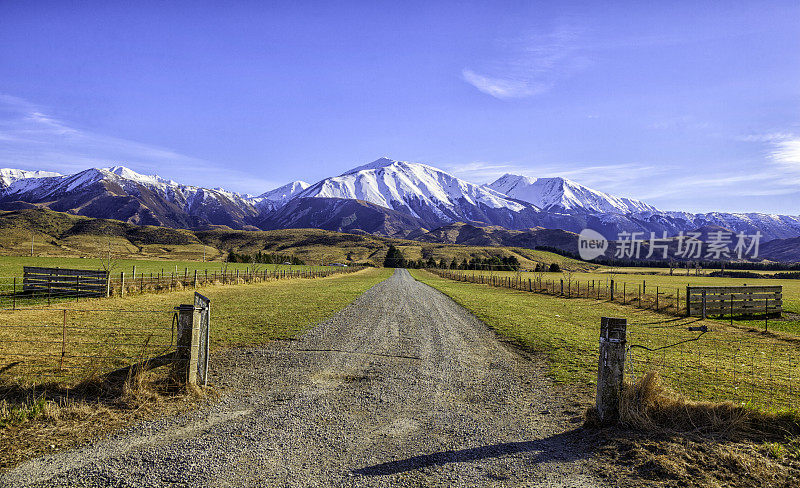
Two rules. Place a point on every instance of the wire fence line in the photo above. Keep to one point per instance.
(13, 294)
(662, 299)
(59, 344)
(753, 369)
(701, 365)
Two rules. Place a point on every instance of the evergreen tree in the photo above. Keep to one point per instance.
(394, 258)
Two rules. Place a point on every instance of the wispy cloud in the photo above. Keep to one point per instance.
(786, 153)
(625, 179)
(778, 174)
(503, 88)
(32, 138)
(529, 66)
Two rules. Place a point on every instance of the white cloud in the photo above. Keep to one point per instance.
(786, 153)
(528, 66)
(622, 179)
(502, 88)
(34, 139)
(481, 172)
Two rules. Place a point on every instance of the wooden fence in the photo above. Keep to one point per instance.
(64, 282)
(702, 301)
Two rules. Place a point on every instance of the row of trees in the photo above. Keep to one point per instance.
(263, 258)
(395, 259)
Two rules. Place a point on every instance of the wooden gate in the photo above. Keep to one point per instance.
(59, 282)
(702, 301)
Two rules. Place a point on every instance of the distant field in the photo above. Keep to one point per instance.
(677, 271)
(728, 363)
(12, 265)
(666, 283)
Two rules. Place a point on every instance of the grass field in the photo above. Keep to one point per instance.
(728, 363)
(241, 315)
(670, 288)
(11, 266)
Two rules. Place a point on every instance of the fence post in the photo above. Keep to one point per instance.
(688, 313)
(610, 368)
(63, 341)
(186, 352)
(14, 295)
(612, 290)
(133, 276)
(122, 283)
(203, 306)
(108, 283)
(195, 279)
(704, 304)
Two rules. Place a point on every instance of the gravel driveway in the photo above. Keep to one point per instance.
(402, 388)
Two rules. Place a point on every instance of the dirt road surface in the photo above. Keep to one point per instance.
(402, 388)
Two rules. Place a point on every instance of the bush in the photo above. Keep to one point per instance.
(555, 268)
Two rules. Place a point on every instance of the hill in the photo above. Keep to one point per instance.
(61, 234)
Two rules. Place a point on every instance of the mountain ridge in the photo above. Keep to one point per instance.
(386, 196)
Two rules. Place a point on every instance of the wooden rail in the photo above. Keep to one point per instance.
(702, 301)
(60, 282)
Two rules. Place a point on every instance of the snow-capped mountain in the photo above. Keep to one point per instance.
(385, 196)
(419, 190)
(123, 194)
(278, 197)
(10, 175)
(561, 194)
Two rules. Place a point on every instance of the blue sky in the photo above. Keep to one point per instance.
(688, 105)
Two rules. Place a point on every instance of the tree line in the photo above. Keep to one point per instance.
(395, 259)
(263, 258)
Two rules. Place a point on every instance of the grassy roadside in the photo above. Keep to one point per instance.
(729, 363)
(43, 418)
(566, 331)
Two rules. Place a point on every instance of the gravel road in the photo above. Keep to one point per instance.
(402, 388)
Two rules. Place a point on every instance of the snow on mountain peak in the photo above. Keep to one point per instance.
(413, 188)
(286, 192)
(377, 164)
(10, 175)
(561, 193)
(129, 174)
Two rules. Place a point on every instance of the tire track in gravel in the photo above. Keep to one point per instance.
(402, 388)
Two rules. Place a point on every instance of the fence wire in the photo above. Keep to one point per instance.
(14, 295)
(67, 344)
(705, 366)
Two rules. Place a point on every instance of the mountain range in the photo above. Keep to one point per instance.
(385, 197)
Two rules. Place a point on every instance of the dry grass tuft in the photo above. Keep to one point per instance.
(36, 420)
(649, 406)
